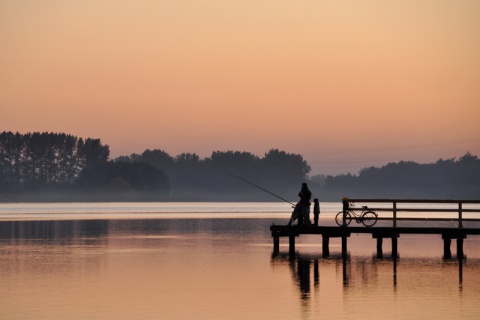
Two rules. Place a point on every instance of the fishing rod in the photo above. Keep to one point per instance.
(239, 178)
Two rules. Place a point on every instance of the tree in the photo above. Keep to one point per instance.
(280, 166)
(157, 158)
(35, 161)
(91, 152)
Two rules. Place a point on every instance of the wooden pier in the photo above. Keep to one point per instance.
(381, 232)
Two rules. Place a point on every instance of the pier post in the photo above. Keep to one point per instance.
(276, 245)
(460, 248)
(460, 215)
(344, 245)
(291, 246)
(447, 254)
(325, 248)
(395, 246)
(379, 248)
(394, 214)
(345, 205)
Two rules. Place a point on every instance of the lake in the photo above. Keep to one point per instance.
(215, 261)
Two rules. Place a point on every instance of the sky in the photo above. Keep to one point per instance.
(346, 84)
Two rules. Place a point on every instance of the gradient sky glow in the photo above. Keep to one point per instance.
(347, 84)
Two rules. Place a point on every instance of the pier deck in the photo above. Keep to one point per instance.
(381, 232)
(378, 233)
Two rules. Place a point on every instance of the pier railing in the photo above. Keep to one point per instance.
(460, 209)
(393, 232)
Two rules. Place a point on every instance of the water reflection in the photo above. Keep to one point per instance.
(53, 230)
(300, 267)
(361, 272)
(36, 254)
(215, 269)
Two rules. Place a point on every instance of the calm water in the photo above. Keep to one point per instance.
(214, 261)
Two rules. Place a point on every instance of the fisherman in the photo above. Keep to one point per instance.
(296, 214)
(316, 211)
(305, 196)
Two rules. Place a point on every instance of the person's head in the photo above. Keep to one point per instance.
(315, 200)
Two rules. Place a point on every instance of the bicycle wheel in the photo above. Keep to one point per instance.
(339, 218)
(369, 218)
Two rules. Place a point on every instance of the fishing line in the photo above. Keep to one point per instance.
(251, 183)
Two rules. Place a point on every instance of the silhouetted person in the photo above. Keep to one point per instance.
(297, 214)
(305, 196)
(316, 211)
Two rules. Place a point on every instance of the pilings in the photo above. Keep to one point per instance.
(326, 243)
(393, 232)
(447, 240)
(378, 233)
(382, 235)
(325, 246)
(276, 245)
(460, 248)
(291, 244)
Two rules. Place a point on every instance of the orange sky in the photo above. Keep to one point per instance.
(347, 84)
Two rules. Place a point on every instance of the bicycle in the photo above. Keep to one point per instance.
(367, 217)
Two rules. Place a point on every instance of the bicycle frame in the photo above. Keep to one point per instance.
(367, 217)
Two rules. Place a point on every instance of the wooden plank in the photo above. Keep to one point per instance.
(283, 231)
(428, 219)
(413, 210)
(412, 200)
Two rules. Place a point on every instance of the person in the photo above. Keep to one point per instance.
(296, 214)
(305, 196)
(316, 211)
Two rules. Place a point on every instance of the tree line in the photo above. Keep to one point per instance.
(281, 173)
(43, 166)
(445, 179)
(227, 175)
(37, 159)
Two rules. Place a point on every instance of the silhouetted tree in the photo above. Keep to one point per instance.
(34, 161)
(91, 152)
(157, 158)
(280, 166)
